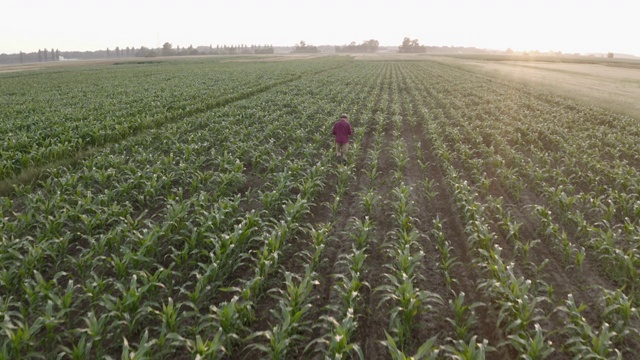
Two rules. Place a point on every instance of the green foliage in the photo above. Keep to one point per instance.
(147, 209)
(427, 350)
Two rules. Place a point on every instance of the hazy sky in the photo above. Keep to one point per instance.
(557, 25)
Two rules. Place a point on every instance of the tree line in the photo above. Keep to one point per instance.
(52, 55)
(369, 46)
(303, 48)
(45, 55)
(168, 50)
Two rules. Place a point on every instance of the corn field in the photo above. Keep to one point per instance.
(195, 209)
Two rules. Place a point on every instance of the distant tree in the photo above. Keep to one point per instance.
(266, 49)
(411, 46)
(146, 52)
(610, 55)
(57, 54)
(192, 51)
(509, 51)
(167, 49)
(21, 57)
(53, 55)
(372, 45)
(302, 47)
(108, 53)
(367, 46)
(39, 55)
(117, 51)
(45, 54)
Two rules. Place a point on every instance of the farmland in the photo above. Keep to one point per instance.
(608, 83)
(194, 208)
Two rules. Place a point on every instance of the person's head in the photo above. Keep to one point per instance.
(344, 116)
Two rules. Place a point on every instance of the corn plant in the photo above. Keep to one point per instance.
(428, 186)
(584, 340)
(399, 154)
(403, 208)
(319, 237)
(348, 285)
(229, 319)
(372, 171)
(428, 350)
(313, 182)
(624, 263)
(50, 320)
(81, 350)
(335, 207)
(560, 238)
(532, 348)
(20, 336)
(369, 201)
(96, 330)
(130, 308)
(344, 174)
(337, 341)
(471, 350)
(202, 349)
(294, 304)
(463, 316)
(362, 232)
(268, 257)
(447, 260)
(619, 311)
(339, 344)
(409, 302)
(518, 307)
(170, 314)
(141, 352)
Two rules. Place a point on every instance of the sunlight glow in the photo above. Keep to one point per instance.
(568, 26)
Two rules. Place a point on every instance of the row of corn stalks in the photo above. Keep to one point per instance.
(125, 252)
(513, 233)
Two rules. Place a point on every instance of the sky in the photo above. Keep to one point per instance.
(569, 26)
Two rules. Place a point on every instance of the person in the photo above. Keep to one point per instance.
(342, 130)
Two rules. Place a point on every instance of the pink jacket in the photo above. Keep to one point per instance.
(342, 130)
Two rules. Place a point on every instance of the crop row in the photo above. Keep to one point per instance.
(126, 249)
(479, 140)
(54, 114)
